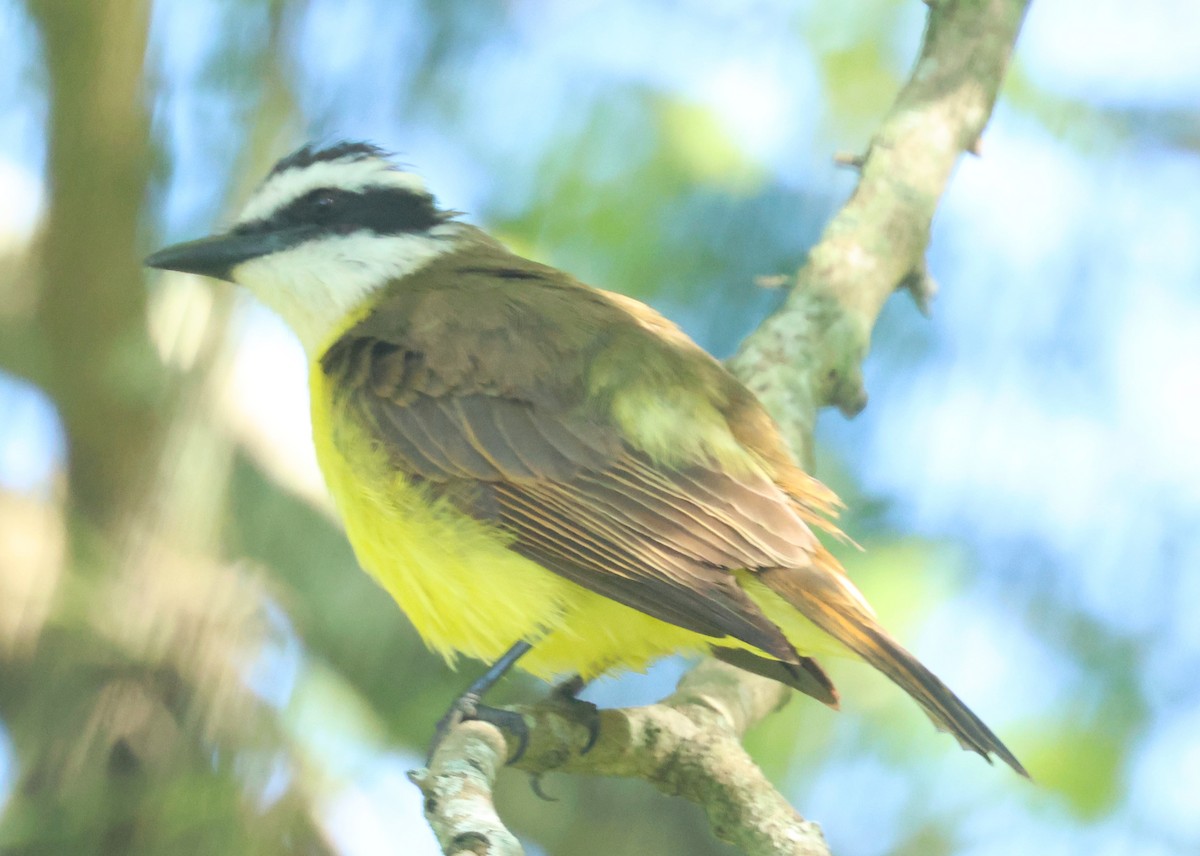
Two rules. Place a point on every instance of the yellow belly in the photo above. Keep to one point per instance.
(465, 592)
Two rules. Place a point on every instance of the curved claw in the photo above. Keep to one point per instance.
(566, 695)
(467, 707)
(509, 721)
(535, 785)
(593, 727)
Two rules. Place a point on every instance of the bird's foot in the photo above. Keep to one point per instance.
(565, 696)
(467, 707)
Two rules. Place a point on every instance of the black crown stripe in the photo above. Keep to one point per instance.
(309, 154)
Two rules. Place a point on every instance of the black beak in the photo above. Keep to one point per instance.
(218, 255)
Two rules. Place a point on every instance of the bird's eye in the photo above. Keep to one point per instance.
(322, 205)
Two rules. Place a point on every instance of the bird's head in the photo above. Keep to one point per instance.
(327, 228)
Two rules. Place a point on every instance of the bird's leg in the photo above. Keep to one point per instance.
(566, 695)
(467, 705)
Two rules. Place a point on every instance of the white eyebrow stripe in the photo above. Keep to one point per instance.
(352, 174)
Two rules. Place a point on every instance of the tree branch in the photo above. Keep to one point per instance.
(95, 358)
(457, 787)
(688, 745)
(806, 356)
(809, 354)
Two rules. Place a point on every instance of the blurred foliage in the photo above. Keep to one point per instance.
(190, 661)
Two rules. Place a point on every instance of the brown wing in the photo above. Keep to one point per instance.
(579, 500)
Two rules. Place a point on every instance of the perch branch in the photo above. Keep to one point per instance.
(689, 745)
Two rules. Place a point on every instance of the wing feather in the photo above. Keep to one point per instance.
(481, 422)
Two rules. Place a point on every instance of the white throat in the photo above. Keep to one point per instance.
(319, 287)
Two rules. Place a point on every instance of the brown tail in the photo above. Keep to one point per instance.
(827, 599)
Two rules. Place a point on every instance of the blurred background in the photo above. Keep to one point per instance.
(190, 661)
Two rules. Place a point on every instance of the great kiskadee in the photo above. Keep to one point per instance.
(537, 469)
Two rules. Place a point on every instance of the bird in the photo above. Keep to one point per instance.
(539, 472)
